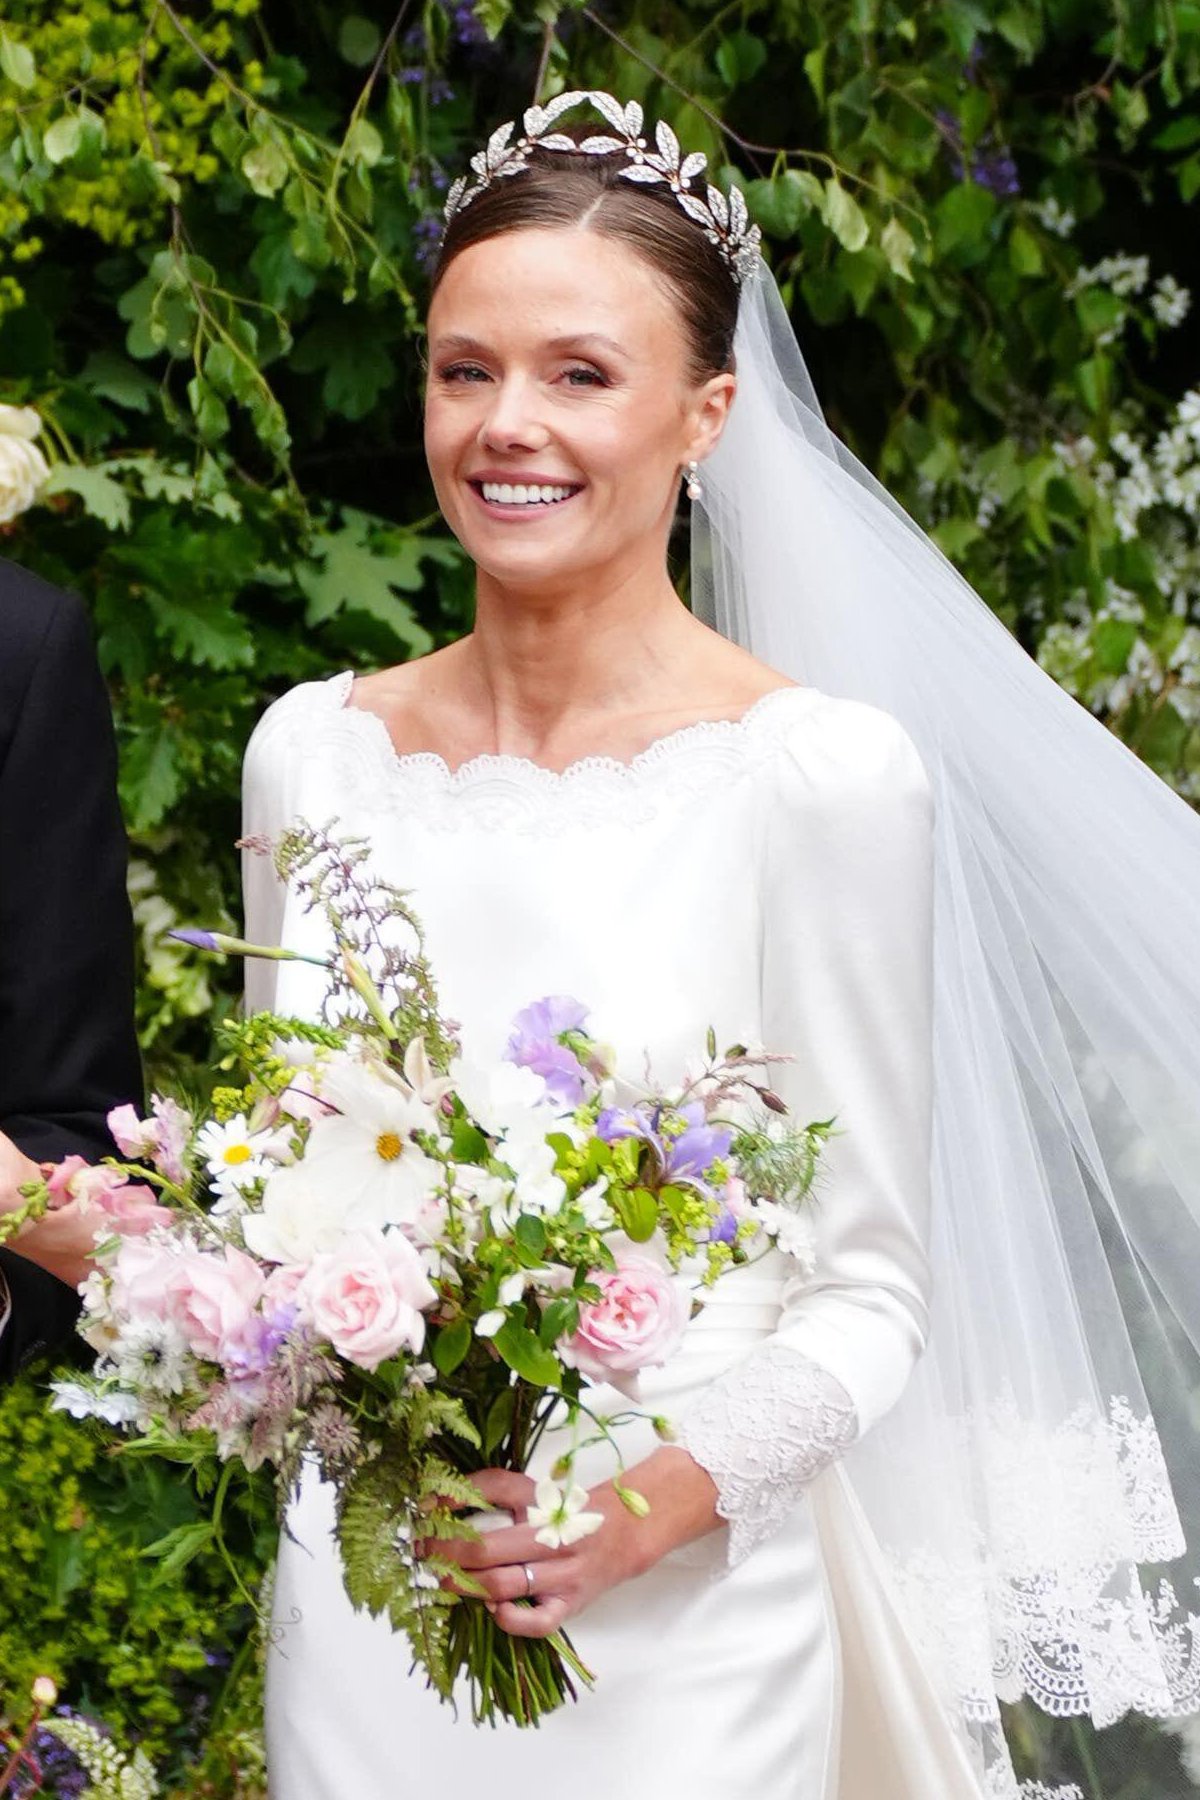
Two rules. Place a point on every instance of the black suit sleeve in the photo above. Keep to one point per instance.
(68, 1048)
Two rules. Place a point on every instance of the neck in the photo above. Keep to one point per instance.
(616, 646)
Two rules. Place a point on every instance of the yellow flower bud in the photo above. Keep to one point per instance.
(44, 1692)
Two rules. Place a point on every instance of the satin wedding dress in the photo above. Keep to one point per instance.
(771, 877)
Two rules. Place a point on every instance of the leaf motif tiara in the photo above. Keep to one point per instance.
(724, 222)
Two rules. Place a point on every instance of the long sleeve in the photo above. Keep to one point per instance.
(847, 984)
(68, 1046)
(268, 806)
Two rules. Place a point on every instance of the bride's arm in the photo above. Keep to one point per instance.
(847, 976)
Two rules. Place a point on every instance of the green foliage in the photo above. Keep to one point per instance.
(214, 226)
(166, 1662)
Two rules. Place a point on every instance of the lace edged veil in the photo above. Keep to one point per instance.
(1037, 1489)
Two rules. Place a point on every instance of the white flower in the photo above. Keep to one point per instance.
(489, 1323)
(235, 1156)
(304, 1210)
(152, 1354)
(593, 1206)
(92, 1403)
(511, 1288)
(538, 1188)
(22, 466)
(1169, 302)
(505, 1100)
(791, 1231)
(560, 1514)
(367, 1146)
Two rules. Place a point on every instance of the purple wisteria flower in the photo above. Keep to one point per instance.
(993, 165)
(536, 1043)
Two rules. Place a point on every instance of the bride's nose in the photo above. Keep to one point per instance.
(512, 420)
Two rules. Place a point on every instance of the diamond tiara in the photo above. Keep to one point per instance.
(725, 222)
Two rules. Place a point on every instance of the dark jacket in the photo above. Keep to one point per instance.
(68, 1049)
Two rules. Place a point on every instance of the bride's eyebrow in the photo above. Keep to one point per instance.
(460, 344)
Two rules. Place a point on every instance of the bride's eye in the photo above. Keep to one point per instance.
(581, 376)
(463, 372)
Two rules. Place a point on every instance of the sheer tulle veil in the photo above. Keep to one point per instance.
(1037, 1489)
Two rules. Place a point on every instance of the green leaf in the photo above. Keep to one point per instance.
(363, 144)
(530, 1233)
(739, 57)
(844, 216)
(151, 777)
(358, 40)
(265, 167)
(357, 364)
(16, 60)
(451, 1344)
(559, 1320)
(499, 1420)
(359, 567)
(814, 68)
(1024, 251)
(637, 1209)
(963, 216)
(112, 377)
(898, 246)
(63, 138)
(524, 1354)
(493, 15)
(1180, 134)
(175, 1551)
(103, 498)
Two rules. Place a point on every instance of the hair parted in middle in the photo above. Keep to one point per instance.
(558, 191)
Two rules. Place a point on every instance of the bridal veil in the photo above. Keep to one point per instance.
(1036, 1491)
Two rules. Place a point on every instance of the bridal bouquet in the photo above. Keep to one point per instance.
(381, 1258)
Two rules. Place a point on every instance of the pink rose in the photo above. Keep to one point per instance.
(367, 1296)
(212, 1297)
(283, 1284)
(637, 1322)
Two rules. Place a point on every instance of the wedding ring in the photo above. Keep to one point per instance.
(528, 1582)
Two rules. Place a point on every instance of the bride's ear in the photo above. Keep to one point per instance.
(708, 414)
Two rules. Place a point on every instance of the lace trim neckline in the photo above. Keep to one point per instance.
(488, 765)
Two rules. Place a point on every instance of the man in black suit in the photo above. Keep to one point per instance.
(68, 1050)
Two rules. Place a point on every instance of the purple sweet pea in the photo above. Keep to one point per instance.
(535, 1043)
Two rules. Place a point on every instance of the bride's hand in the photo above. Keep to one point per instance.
(563, 1581)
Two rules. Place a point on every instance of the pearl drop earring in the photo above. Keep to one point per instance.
(694, 490)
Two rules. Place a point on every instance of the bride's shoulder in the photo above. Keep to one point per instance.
(846, 746)
(301, 704)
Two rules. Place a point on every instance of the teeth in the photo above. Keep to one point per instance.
(519, 493)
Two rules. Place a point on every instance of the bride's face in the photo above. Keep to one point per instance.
(560, 408)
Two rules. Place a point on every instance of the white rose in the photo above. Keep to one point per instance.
(302, 1215)
(22, 466)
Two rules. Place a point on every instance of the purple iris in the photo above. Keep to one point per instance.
(535, 1043)
(684, 1157)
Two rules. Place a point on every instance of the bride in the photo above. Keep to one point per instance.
(919, 1479)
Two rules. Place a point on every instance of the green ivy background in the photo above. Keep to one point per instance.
(215, 227)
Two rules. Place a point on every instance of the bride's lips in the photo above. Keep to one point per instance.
(517, 505)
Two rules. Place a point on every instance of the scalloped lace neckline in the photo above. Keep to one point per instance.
(488, 764)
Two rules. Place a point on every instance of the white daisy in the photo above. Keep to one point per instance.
(235, 1156)
(368, 1146)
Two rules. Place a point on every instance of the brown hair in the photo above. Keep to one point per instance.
(559, 190)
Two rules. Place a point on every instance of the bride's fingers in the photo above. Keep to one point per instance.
(506, 1489)
(512, 1583)
(539, 1621)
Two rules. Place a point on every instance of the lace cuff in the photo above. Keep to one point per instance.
(762, 1431)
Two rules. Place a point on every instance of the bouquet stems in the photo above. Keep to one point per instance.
(513, 1678)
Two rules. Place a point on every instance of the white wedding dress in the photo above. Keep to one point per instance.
(770, 877)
